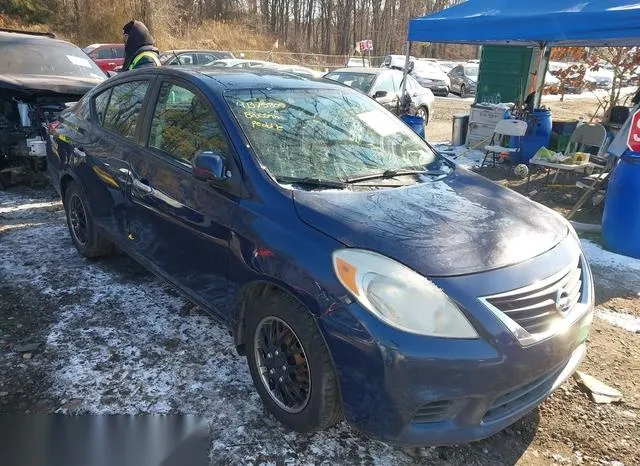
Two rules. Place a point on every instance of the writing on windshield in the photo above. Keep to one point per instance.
(331, 134)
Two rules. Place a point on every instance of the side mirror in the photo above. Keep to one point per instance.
(209, 166)
(410, 67)
(380, 94)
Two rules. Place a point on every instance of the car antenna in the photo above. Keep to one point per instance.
(176, 55)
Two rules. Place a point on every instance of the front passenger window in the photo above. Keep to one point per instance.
(183, 125)
(385, 83)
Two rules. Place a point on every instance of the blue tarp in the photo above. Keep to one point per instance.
(535, 22)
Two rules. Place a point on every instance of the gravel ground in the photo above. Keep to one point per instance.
(573, 107)
(106, 337)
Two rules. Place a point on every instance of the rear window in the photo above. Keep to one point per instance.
(46, 59)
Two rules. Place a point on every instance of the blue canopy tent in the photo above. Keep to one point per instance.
(540, 23)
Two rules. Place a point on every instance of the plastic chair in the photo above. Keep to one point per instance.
(505, 130)
(585, 136)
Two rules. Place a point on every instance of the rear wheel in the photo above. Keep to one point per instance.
(84, 235)
(290, 364)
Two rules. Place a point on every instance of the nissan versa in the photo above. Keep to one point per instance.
(364, 276)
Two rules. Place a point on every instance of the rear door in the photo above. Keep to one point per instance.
(95, 148)
(182, 225)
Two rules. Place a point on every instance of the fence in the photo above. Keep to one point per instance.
(316, 61)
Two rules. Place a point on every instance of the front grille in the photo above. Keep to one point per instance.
(538, 307)
(435, 411)
(528, 394)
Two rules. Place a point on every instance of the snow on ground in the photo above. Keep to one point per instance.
(624, 321)
(124, 342)
(461, 155)
(601, 257)
(614, 270)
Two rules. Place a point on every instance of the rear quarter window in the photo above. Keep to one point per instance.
(123, 109)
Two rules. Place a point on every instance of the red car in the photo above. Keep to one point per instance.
(106, 56)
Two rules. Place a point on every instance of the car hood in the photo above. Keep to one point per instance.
(29, 83)
(463, 224)
(473, 79)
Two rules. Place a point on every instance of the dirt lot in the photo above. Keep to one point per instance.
(575, 106)
(107, 337)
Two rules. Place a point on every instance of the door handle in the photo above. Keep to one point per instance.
(142, 186)
(79, 152)
(111, 64)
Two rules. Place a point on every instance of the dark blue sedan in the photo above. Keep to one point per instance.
(363, 275)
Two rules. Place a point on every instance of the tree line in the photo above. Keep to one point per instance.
(317, 26)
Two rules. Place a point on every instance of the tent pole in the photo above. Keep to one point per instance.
(545, 53)
(406, 69)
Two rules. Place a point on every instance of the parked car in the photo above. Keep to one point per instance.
(241, 63)
(601, 78)
(192, 57)
(38, 76)
(363, 275)
(385, 87)
(300, 71)
(464, 79)
(357, 62)
(431, 76)
(107, 56)
(447, 66)
(396, 61)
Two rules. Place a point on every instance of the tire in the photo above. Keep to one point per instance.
(423, 112)
(318, 405)
(462, 90)
(84, 235)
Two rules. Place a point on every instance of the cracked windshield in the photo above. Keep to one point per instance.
(330, 135)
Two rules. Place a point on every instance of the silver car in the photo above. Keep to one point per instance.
(385, 86)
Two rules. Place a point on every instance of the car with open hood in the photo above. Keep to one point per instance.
(38, 76)
(364, 276)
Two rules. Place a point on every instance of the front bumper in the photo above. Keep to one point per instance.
(415, 390)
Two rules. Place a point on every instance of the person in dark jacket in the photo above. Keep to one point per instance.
(138, 47)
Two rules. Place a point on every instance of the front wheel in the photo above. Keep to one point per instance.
(290, 364)
(463, 90)
(423, 112)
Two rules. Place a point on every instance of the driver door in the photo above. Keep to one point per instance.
(179, 224)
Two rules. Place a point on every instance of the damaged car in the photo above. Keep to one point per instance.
(363, 275)
(39, 75)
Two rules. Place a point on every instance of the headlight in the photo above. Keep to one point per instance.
(399, 296)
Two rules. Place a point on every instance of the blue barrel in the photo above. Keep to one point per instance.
(416, 123)
(538, 133)
(621, 218)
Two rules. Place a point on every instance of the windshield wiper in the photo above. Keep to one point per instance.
(393, 173)
(311, 181)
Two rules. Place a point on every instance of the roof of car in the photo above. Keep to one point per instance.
(95, 46)
(194, 51)
(362, 70)
(237, 78)
(15, 37)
